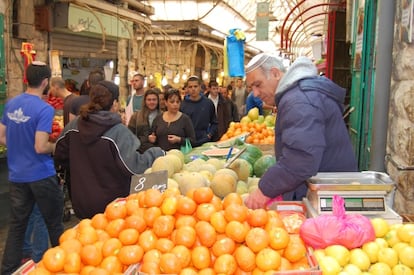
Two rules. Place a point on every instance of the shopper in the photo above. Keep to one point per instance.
(225, 111)
(93, 78)
(58, 89)
(239, 95)
(311, 135)
(141, 121)
(201, 111)
(172, 127)
(101, 153)
(24, 129)
(253, 101)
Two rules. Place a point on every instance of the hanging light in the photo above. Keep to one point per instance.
(176, 79)
(184, 76)
(205, 75)
(117, 79)
(164, 81)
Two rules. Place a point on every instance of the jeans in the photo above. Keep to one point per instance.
(36, 239)
(48, 195)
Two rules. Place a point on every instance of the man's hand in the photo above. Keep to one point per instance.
(256, 200)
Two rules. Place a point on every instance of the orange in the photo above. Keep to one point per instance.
(147, 240)
(71, 245)
(257, 239)
(132, 206)
(183, 254)
(72, 263)
(245, 258)
(128, 236)
(153, 255)
(150, 268)
(68, 234)
(237, 231)
(235, 212)
(153, 197)
(186, 205)
(39, 271)
(257, 217)
(232, 198)
(130, 254)
(268, 259)
(111, 247)
(115, 210)
(295, 250)
(99, 221)
(112, 264)
(222, 246)
(54, 259)
(216, 201)
(201, 257)
(185, 235)
(218, 221)
(98, 271)
(164, 245)
(285, 264)
(170, 264)
(91, 255)
(169, 205)
(205, 233)
(87, 235)
(203, 195)
(150, 214)
(182, 220)
(136, 222)
(204, 211)
(114, 227)
(102, 235)
(225, 264)
(163, 226)
(278, 238)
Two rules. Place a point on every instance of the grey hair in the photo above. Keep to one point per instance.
(265, 62)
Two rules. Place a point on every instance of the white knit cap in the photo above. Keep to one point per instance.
(258, 60)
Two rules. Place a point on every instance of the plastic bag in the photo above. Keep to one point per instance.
(351, 230)
(186, 147)
(235, 55)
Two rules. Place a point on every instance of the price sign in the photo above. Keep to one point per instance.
(155, 180)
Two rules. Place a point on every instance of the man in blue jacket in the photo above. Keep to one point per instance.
(201, 110)
(310, 132)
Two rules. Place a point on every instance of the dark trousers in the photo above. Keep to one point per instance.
(48, 195)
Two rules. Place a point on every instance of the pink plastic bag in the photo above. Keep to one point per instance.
(351, 231)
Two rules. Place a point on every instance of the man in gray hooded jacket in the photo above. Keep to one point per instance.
(311, 135)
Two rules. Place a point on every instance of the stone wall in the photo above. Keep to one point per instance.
(27, 33)
(400, 143)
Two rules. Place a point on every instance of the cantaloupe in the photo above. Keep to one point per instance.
(161, 163)
(177, 153)
(243, 168)
(191, 181)
(175, 161)
(223, 184)
(229, 172)
(218, 163)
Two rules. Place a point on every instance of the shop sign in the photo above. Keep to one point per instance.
(155, 180)
(262, 21)
(88, 21)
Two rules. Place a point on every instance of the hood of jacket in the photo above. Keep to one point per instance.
(98, 123)
(304, 74)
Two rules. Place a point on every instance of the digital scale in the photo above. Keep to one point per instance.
(367, 193)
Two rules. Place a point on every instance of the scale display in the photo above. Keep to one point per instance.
(355, 204)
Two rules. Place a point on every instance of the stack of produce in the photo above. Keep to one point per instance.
(170, 233)
(56, 102)
(391, 253)
(57, 127)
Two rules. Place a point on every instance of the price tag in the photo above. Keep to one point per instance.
(155, 180)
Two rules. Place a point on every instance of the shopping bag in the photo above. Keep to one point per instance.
(349, 230)
(186, 147)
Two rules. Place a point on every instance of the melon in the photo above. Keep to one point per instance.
(227, 171)
(148, 170)
(161, 163)
(223, 184)
(241, 187)
(243, 168)
(209, 167)
(191, 181)
(262, 164)
(172, 183)
(190, 157)
(177, 153)
(175, 161)
(251, 154)
(218, 163)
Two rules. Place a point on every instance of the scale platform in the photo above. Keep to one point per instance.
(367, 193)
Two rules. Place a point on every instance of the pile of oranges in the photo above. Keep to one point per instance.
(169, 233)
(259, 132)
